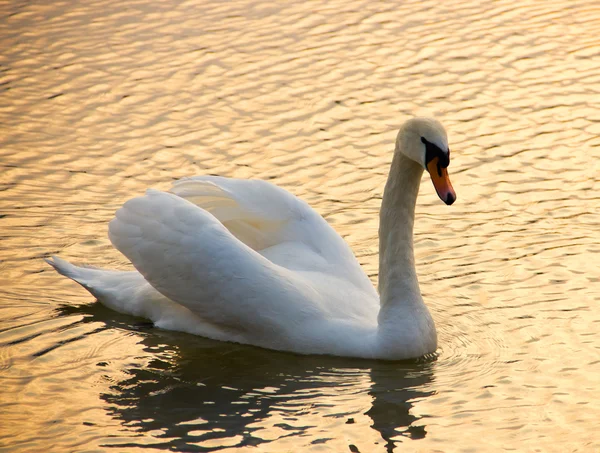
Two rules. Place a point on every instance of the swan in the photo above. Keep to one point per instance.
(246, 261)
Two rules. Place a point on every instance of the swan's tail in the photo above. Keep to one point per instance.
(84, 276)
(118, 290)
(129, 293)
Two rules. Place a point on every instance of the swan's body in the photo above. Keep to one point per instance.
(248, 262)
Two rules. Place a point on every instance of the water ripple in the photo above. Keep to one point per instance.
(101, 102)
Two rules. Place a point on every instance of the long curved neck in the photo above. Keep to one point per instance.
(398, 285)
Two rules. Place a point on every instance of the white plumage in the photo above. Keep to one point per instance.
(246, 261)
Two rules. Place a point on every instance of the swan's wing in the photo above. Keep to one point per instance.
(191, 258)
(255, 211)
(275, 223)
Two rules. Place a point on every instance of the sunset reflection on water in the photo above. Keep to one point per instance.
(102, 100)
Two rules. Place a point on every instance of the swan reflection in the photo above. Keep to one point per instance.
(194, 394)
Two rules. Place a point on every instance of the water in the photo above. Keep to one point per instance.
(103, 99)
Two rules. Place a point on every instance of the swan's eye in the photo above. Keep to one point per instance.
(432, 151)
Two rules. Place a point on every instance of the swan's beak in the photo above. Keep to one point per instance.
(441, 181)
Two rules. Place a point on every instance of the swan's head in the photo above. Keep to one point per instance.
(424, 141)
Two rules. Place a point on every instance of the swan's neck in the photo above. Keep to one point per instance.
(398, 285)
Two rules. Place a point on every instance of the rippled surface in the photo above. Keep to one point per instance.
(102, 99)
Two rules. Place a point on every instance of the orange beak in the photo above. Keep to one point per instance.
(441, 181)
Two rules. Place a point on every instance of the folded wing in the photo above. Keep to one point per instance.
(275, 223)
(193, 259)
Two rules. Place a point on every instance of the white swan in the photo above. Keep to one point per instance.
(248, 262)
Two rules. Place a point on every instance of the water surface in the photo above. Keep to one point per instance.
(103, 99)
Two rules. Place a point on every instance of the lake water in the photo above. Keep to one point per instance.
(102, 99)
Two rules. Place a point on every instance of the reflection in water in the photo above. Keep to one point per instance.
(196, 394)
(393, 395)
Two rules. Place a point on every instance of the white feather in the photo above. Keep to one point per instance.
(247, 261)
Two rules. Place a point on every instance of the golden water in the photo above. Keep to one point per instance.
(103, 99)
